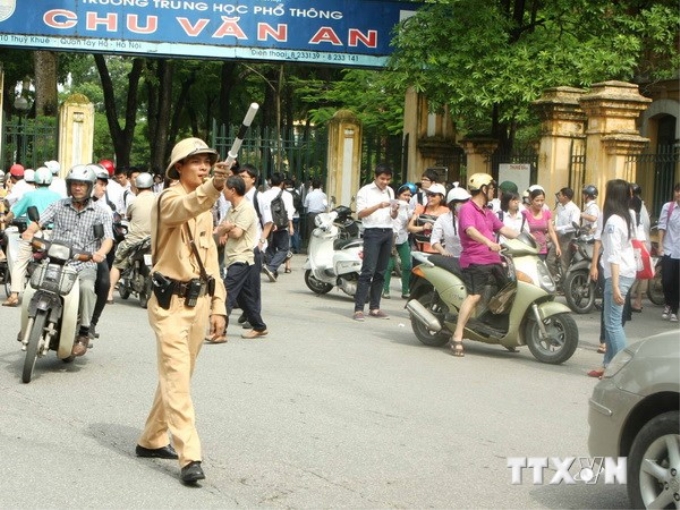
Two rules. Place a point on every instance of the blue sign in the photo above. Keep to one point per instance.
(336, 32)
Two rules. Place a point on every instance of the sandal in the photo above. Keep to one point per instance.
(12, 301)
(287, 270)
(457, 349)
(601, 350)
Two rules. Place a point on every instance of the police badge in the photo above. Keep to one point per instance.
(7, 8)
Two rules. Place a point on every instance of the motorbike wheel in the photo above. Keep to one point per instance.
(561, 342)
(655, 288)
(579, 291)
(315, 285)
(123, 290)
(37, 329)
(427, 337)
(146, 293)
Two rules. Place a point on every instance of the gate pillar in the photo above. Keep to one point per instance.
(479, 150)
(344, 157)
(612, 108)
(562, 132)
(76, 132)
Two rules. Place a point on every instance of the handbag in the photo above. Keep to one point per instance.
(643, 261)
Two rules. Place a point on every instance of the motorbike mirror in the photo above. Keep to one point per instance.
(33, 213)
(98, 230)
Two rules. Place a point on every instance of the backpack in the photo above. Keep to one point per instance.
(297, 199)
(278, 210)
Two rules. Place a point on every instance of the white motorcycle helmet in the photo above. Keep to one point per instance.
(81, 173)
(457, 195)
(53, 166)
(144, 181)
(43, 176)
(29, 175)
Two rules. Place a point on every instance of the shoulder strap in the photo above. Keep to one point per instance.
(670, 211)
(158, 228)
(524, 221)
(204, 275)
(257, 207)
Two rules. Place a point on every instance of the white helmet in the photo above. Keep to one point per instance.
(144, 181)
(81, 173)
(53, 166)
(2, 176)
(43, 176)
(457, 195)
(478, 180)
(29, 175)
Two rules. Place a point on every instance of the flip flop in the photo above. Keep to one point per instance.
(602, 350)
(11, 302)
(220, 340)
(457, 349)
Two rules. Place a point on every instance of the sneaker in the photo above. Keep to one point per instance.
(254, 334)
(406, 296)
(666, 312)
(269, 273)
(242, 318)
(289, 255)
(386, 295)
(358, 316)
(674, 318)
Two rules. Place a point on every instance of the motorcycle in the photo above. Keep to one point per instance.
(513, 314)
(49, 311)
(136, 279)
(579, 290)
(332, 261)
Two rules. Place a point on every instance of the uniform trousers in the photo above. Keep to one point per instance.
(180, 332)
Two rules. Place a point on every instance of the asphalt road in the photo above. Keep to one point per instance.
(323, 413)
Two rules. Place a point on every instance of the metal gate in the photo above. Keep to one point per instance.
(28, 141)
(661, 165)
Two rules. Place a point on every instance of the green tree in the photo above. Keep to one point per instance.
(489, 60)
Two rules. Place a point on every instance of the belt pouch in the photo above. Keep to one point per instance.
(163, 288)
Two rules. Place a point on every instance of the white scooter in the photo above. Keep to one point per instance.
(332, 261)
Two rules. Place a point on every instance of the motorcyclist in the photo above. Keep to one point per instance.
(18, 186)
(590, 208)
(479, 258)
(139, 227)
(58, 184)
(74, 219)
(40, 198)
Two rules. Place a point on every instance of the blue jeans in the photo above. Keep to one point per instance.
(614, 335)
(377, 250)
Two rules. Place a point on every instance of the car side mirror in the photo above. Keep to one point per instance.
(98, 230)
(33, 213)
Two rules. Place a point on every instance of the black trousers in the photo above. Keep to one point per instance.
(241, 292)
(101, 290)
(671, 282)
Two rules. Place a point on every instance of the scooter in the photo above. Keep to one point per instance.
(332, 261)
(136, 279)
(513, 314)
(49, 311)
(579, 290)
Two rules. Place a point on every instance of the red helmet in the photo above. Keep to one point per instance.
(109, 166)
(16, 170)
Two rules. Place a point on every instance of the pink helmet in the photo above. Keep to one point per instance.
(109, 166)
(16, 170)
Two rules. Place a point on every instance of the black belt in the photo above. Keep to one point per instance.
(379, 229)
(181, 288)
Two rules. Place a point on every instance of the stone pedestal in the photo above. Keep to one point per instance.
(429, 136)
(76, 132)
(612, 108)
(562, 133)
(344, 157)
(479, 150)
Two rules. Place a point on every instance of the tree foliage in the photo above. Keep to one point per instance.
(489, 60)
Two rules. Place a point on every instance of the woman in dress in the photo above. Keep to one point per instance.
(618, 264)
(444, 239)
(539, 219)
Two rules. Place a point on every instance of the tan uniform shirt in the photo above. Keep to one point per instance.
(139, 213)
(172, 253)
(244, 217)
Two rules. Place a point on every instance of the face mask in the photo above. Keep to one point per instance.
(458, 206)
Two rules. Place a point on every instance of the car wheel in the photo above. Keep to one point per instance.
(654, 464)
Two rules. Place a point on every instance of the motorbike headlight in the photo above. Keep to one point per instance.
(68, 278)
(59, 251)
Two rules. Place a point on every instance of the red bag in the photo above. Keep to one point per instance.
(645, 269)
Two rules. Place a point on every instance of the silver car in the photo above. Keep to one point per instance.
(634, 413)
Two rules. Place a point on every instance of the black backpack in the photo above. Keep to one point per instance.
(278, 210)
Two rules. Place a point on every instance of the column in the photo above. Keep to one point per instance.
(76, 132)
(344, 157)
(612, 108)
(562, 134)
(479, 150)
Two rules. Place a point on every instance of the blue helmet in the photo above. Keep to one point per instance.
(408, 185)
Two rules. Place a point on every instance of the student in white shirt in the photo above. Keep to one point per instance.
(445, 239)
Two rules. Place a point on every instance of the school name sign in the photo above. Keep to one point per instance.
(335, 32)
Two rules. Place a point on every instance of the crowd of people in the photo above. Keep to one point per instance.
(213, 234)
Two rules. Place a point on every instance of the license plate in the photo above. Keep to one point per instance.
(147, 259)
